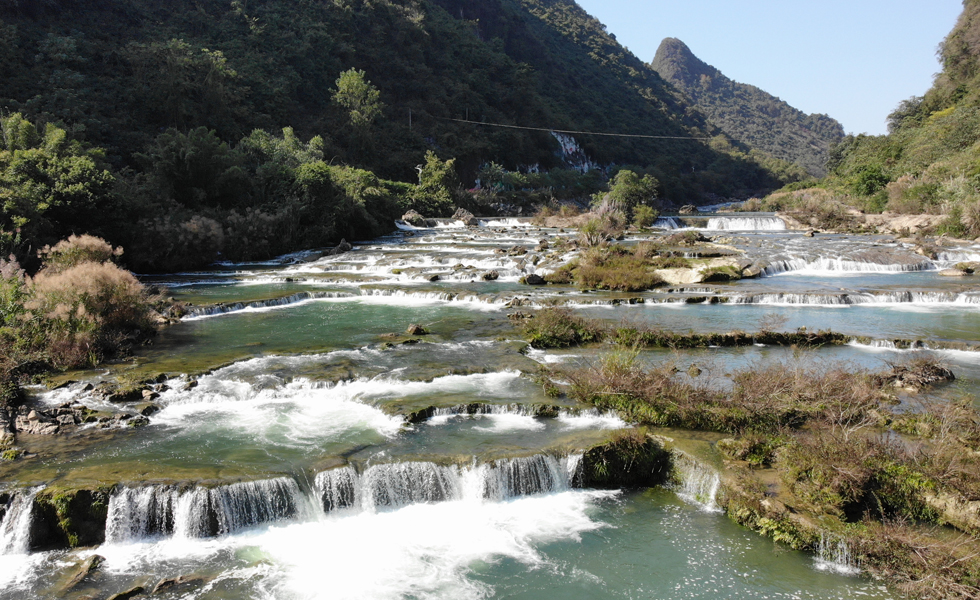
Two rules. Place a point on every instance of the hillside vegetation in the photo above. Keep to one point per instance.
(188, 130)
(747, 113)
(930, 160)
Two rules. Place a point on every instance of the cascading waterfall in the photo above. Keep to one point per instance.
(210, 311)
(667, 223)
(833, 554)
(840, 265)
(199, 512)
(904, 297)
(15, 530)
(698, 483)
(400, 484)
(746, 224)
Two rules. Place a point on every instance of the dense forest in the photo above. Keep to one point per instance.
(186, 131)
(747, 113)
(930, 160)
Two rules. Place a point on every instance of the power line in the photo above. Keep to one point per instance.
(624, 135)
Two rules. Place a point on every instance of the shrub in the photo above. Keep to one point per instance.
(644, 216)
(559, 328)
(76, 250)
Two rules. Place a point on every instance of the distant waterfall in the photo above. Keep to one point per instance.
(698, 483)
(221, 309)
(15, 530)
(667, 223)
(198, 512)
(746, 224)
(840, 265)
(833, 554)
(400, 484)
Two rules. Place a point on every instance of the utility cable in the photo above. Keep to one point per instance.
(624, 135)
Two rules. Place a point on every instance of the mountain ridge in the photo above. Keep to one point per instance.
(748, 113)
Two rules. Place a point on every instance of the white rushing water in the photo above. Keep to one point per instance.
(833, 554)
(198, 512)
(15, 530)
(401, 484)
(746, 224)
(827, 266)
(699, 483)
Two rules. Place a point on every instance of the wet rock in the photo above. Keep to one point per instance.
(466, 217)
(953, 273)
(533, 279)
(433, 278)
(542, 246)
(68, 518)
(343, 247)
(809, 233)
(491, 276)
(37, 423)
(174, 583)
(138, 421)
(499, 251)
(150, 395)
(420, 416)
(967, 267)
(413, 218)
(416, 329)
(517, 251)
(88, 566)
(130, 593)
(193, 383)
(148, 409)
(688, 209)
(133, 394)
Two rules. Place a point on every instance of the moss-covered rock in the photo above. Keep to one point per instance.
(69, 518)
(632, 459)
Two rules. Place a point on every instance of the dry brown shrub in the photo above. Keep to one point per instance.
(77, 249)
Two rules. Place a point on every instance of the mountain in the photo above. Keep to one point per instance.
(250, 127)
(747, 113)
(930, 160)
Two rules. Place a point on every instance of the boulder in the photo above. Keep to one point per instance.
(173, 583)
(130, 593)
(491, 276)
(517, 251)
(953, 273)
(416, 329)
(88, 566)
(688, 209)
(533, 279)
(413, 218)
(466, 217)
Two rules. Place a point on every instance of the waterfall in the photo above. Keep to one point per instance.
(667, 223)
(905, 297)
(400, 484)
(746, 224)
(524, 476)
(221, 309)
(698, 483)
(136, 514)
(15, 529)
(824, 265)
(833, 554)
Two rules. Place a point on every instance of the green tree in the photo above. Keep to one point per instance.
(436, 192)
(50, 185)
(627, 191)
(361, 99)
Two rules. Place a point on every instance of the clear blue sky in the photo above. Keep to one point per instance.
(853, 60)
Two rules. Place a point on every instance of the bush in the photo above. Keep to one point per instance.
(76, 250)
(559, 328)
